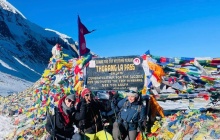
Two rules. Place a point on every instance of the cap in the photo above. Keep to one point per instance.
(71, 97)
(84, 92)
(132, 92)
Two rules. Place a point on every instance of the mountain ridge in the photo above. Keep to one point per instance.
(25, 47)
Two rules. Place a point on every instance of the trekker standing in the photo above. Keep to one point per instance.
(90, 119)
(61, 126)
(131, 115)
(57, 51)
(57, 54)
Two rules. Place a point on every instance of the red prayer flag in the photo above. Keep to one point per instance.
(82, 30)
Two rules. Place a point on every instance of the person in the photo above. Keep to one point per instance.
(114, 98)
(90, 118)
(61, 125)
(57, 54)
(131, 116)
(57, 51)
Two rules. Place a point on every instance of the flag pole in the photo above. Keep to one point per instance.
(78, 36)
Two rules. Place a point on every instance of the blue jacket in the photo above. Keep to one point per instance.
(129, 115)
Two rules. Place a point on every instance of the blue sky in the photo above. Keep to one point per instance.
(169, 28)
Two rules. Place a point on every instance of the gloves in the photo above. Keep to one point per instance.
(53, 132)
(81, 125)
(83, 108)
(83, 103)
(83, 100)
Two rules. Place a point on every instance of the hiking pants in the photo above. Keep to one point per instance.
(101, 135)
(123, 134)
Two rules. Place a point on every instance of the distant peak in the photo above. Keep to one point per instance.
(9, 7)
(58, 33)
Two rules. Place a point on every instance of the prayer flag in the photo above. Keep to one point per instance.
(82, 30)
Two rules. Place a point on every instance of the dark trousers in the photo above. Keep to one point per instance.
(120, 132)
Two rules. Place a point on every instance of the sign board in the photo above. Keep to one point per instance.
(115, 73)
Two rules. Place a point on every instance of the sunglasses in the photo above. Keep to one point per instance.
(88, 95)
(130, 91)
(70, 101)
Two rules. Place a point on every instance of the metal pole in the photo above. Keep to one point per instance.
(103, 124)
(116, 118)
(53, 124)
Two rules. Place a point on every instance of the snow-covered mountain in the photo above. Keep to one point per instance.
(25, 48)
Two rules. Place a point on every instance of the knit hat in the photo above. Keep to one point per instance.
(84, 92)
(68, 110)
(71, 97)
(132, 92)
(58, 46)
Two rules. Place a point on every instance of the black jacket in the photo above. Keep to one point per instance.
(63, 129)
(89, 116)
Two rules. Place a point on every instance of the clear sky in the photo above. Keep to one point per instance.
(169, 28)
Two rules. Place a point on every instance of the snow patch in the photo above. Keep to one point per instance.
(6, 5)
(6, 65)
(25, 65)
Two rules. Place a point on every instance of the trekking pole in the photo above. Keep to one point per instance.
(54, 120)
(103, 124)
(140, 125)
(52, 123)
(140, 129)
(148, 110)
(116, 118)
(118, 124)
